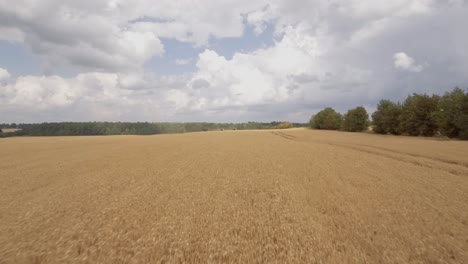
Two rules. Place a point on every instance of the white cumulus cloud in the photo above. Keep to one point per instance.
(322, 53)
(4, 74)
(114, 35)
(404, 62)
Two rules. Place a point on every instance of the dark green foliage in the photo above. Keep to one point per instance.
(312, 122)
(419, 115)
(449, 112)
(328, 118)
(119, 128)
(462, 120)
(386, 119)
(356, 120)
(424, 115)
(417, 118)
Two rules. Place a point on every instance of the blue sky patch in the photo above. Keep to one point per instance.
(18, 59)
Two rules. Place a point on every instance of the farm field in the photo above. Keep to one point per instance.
(286, 196)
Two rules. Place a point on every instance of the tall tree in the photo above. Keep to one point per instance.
(387, 117)
(449, 110)
(356, 120)
(417, 117)
(462, 120)
(328, 118)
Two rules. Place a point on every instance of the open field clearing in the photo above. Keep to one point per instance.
(291, 196)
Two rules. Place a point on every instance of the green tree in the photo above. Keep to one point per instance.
(312, 122)
(328, 118)
(462, 120)
(386, 118)
(356, 120)
(449, 110)
(417, 117)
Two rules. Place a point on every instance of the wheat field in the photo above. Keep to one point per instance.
(278, 196)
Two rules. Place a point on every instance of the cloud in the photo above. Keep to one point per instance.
(116, 35)
(4, 74)
(183, 61)
(177, 98)
(260, 18)
(256, 77)
(75, 35)
(324, 53)
(404, 62)
(89, 97)
(292, 72)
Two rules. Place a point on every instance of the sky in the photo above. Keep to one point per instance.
(223, 61)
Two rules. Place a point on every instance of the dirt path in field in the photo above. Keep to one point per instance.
(285, 196)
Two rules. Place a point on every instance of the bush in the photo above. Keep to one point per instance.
(284, 125)
(418, 115)
(386, 118)
(328, 118)
(356, 120)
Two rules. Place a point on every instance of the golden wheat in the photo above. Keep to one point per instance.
(289, 196)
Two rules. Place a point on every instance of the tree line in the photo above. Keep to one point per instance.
(418, 115)
(129, 128)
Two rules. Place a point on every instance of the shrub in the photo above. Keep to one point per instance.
(386, 118)
(328, 118)
(284, 125)
(356, 120)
